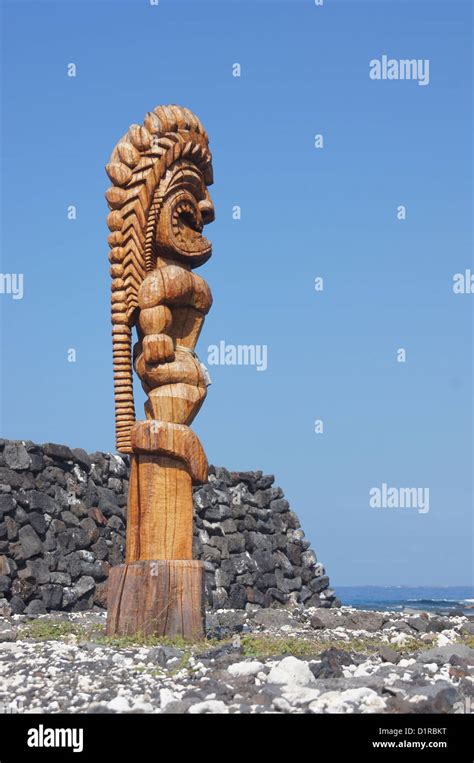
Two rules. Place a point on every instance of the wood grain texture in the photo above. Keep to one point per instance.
(160, 510)
(174, 440)
(161, 598)
(159, 206)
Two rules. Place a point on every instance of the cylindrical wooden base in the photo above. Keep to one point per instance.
(157, 597)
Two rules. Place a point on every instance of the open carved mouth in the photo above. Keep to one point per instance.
(187, 221)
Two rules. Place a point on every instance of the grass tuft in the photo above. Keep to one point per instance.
(54, 630)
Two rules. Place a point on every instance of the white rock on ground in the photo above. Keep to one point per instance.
(119, 705)
(292, 672)
(211, 706)
(366, 700)
(245, 668)
(300, 695)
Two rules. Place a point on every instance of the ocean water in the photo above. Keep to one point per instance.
(430, 599)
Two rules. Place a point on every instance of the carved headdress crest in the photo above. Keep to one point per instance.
(159, 172)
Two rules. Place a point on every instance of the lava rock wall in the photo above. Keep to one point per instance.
(62, 526)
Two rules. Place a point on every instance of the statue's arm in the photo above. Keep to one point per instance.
(162, 289)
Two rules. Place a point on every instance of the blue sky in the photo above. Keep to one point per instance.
(306, 212)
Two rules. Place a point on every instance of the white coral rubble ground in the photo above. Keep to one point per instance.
(265, 661)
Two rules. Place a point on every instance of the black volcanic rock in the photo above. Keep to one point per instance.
(62, 526)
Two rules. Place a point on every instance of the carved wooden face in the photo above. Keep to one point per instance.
(186, 209)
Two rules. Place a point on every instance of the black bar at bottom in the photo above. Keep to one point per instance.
(136, 737)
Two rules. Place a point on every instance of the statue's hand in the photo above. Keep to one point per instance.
(157, 345)
(157, 348)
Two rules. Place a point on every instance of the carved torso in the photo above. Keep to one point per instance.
(172, 304)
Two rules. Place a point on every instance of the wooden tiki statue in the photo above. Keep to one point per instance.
(159, 204)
